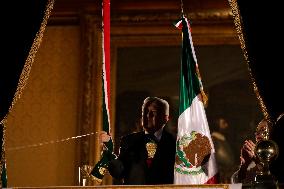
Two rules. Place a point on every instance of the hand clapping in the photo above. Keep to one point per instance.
(247, 152)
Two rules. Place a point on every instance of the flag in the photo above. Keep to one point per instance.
(107, 155)
(195, 154)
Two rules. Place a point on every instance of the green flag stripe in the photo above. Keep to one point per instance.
(106, 123)
(189, 81)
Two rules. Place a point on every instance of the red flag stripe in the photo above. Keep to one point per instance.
(212, 180)
(106, 54)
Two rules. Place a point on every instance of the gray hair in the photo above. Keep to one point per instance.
(161, 103)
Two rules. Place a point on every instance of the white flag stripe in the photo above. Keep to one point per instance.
(194, 119)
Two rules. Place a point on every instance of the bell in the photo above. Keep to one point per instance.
(266, 151)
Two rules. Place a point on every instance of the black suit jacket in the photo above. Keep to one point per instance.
(131, 165)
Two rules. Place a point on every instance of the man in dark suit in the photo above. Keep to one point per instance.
(147, 157)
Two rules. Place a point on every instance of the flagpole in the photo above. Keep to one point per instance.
(181, 7)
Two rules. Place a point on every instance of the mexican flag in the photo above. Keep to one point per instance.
(195, 154)
(100, 168)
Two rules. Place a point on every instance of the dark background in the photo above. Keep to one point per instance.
(144, 71)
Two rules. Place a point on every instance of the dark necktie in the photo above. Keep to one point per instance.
(151, 138)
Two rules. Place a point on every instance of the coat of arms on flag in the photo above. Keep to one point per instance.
(193, 152)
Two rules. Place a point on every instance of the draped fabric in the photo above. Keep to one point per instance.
(22, 30)
(258, 25)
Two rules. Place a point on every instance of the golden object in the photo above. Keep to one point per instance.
(102, 170)
(151, 149)
(85, 174)
(96, 180)
(266, 151)
(86, 170)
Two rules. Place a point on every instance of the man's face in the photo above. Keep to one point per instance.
(153, 118)
(261, 131)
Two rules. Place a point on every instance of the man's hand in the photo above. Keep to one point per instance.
(247, 152)
(104, 137)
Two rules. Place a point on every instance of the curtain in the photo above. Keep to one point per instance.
(22, 28)
(258, 25)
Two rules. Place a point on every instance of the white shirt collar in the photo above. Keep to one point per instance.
(158, 134)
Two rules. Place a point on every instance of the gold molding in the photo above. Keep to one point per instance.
(151, 15)
(91, 120)
(166, 186)
(221, 15)
(211, 27)
(208, 28)
(201, 17)
(91, 95)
